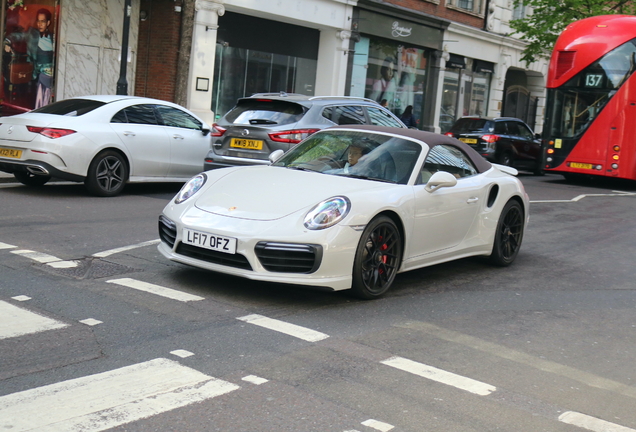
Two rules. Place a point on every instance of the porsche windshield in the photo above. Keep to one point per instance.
(355, 154)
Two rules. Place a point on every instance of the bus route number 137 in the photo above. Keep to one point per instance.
(593, 80)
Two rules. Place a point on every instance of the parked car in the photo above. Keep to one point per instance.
(265, 122)
(316, 217)
(503, 140)
(105, 142)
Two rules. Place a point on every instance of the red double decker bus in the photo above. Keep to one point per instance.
(590, 117)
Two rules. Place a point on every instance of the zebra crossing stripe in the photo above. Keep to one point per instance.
(109, 399)
(15, 321)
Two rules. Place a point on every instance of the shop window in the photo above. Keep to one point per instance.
(473, 6)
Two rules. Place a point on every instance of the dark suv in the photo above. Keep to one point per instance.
(503, 140)
(265, 122)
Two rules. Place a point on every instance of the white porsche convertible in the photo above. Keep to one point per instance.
(348, 208)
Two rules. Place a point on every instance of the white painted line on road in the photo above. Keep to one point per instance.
(21, 298)
(182, 353)
(109, 399)
(254, 379)
(156, 289)
(91, 321)
(6, 246)
(441, 376)
(125, 248)
(580, 197)
(284, 327)
(63, 264)
(375, 424)
(591, 423)
(36, 256)
(15, 321)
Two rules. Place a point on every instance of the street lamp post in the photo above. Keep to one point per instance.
(122, 84)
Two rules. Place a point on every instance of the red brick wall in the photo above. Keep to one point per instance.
(440, 10)
(157, 50)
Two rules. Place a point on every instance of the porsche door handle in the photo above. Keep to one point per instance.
(177, 137)
(128, 133)
(472, 200)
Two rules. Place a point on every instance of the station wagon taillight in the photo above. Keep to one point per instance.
(292, 136)
(450, 134)
(50, 132)
(490, 138)
(217, 130)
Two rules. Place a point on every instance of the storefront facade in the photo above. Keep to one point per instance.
(394, 60)
(56, 49)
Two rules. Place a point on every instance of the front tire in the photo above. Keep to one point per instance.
(26, 178)
(509, 234)
(107, 174)
(378, 258)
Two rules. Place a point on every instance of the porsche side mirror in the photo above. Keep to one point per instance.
(205, 131)
(275, 155)
(439, 180)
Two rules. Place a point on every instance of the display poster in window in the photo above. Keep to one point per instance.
(28, 57)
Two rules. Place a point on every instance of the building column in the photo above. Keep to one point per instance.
(201, 75)
(331, 73)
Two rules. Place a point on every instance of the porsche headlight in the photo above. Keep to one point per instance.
(190, 188)
(327, 213)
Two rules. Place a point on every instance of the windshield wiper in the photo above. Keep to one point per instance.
(299, 168)
(262, 121)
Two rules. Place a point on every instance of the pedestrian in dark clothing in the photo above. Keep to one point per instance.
(407, 117)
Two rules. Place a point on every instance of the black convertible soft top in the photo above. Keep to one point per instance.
(430, 138)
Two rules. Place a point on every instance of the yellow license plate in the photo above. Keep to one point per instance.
(468, 140)
(10, 153)
(581, 165)
(246, 144)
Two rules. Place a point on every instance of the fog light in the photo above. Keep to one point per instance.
(615, 166)
(599, 167)
(548, 159)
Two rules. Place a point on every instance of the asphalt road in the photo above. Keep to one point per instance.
(98, 331)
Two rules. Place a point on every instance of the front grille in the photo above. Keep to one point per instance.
(167, 230)
(289, 257)
(230, 260)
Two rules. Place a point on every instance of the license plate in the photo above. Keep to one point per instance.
(246, 143)
(581, 165)
(209, 241)
(468, 140)
(10, 153)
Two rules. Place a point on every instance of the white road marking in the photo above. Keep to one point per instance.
(63, 264)
(182, 353)
(125, 248)
(6, 246)
(580, 197)
(36, 256)
(284, 327)
(440, 376)
(591, 423)
(21, 298)
(91, 321)
(109, 399)
(156, 289)
(254, 379)
(375, 424)
(502, 351)
(15, 321)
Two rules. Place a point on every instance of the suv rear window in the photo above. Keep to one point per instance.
(467, 125)
(70, 107)
(265, 112)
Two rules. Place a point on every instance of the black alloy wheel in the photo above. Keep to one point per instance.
(107, 174)
(26, 178)
(509, 234)
(378, 258)
(505, 159)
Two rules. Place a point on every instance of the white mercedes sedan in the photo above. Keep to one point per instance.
(104, 142)
(348, 208)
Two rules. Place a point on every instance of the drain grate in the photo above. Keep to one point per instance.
(93, 268)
